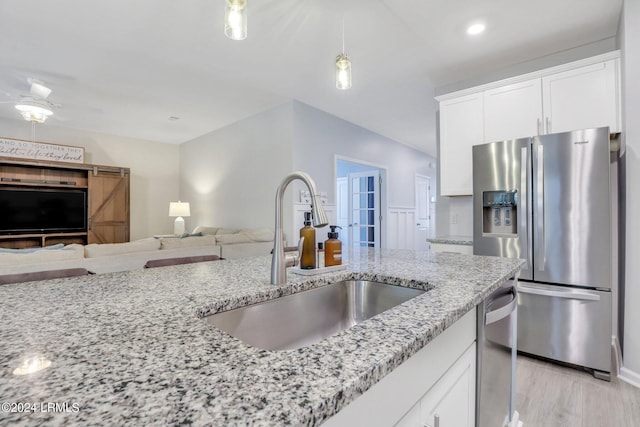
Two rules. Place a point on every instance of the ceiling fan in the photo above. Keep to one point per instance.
(35, 107)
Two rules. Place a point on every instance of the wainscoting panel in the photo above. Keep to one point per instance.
(402, 231)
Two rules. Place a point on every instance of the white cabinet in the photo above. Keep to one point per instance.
(451, 248)
(461, 127)
(513, 111)
(582, 98)
(441, 375)
(451, 401)
(584, 94)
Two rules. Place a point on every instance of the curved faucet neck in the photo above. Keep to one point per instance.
(278, 260)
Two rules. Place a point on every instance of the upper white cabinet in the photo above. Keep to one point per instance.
(580, 95)
(461, 127)
(585, 97)
(513, 111)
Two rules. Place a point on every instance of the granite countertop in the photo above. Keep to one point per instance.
(452, 240)
(131, 348)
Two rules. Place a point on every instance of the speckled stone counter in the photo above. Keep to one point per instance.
(452, 240)
(131, 348)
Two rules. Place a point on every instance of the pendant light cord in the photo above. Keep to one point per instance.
(343, 34)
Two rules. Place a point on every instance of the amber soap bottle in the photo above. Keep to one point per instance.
(332, 248)
(308, 255)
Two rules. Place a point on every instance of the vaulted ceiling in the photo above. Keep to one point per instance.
(125, 67)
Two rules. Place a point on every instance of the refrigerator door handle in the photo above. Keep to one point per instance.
(523, 220)
(568, 294)
(502, 312)
(541, 261)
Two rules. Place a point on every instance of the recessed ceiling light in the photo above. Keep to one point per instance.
(475, 29)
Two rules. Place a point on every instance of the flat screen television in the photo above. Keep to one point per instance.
(25, 211)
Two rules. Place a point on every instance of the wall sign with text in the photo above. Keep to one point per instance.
(40, 151)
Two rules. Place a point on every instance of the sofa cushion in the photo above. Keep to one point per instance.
(187, 242)
(259, 234)
(42, 255)
(105, 249)
(204, 230)
(231, 239)
(30, 250)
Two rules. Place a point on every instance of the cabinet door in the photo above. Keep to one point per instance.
(582, 98)
(461, 128)
(452, 399)
(513, 111)
(108, 207)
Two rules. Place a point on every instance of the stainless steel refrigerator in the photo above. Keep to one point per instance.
(547, 199)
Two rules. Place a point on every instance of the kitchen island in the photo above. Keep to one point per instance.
(132, 348)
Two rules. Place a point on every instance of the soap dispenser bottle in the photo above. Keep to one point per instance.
(308, 255)
(332, 248)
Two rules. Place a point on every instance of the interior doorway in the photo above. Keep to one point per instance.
(359, 203)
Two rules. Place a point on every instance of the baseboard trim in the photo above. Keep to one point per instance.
(629, 376)
(617, 355)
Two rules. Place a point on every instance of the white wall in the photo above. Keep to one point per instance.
(630, 46)
(154, 168)
(319, 137)
(230, 176)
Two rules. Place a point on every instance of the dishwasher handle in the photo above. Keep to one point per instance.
(498, 314)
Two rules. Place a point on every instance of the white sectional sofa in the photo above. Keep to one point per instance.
(106, 258)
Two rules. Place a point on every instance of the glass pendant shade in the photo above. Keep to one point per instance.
(343, 71)
(235, 19)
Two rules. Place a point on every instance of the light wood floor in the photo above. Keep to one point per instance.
(549, 395)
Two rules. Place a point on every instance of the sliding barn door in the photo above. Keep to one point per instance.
(108, 207)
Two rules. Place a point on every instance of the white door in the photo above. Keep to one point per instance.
(423, 212)
(364, 209)
(342, 192)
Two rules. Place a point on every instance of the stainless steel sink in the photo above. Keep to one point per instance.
(305, 318)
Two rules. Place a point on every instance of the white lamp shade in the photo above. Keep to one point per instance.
(179, 209)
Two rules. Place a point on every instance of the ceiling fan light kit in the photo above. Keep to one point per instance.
(33, 111)
(235, 19)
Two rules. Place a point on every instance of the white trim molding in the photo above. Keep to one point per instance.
(629, 376)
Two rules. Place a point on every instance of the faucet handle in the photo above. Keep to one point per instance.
(292, 260)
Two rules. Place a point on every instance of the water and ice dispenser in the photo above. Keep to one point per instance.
(499, 212)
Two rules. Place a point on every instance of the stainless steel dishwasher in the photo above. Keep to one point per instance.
(496, 358)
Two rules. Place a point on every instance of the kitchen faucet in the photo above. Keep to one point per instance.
(280, 262)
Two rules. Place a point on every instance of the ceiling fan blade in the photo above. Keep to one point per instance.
(39, 89)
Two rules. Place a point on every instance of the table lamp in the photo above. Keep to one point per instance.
(179, 209)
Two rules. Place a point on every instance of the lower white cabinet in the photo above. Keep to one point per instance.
(451, 401)
(439, 379)
(451, 248)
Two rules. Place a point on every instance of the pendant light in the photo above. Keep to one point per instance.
(343, 67)
(235, 19)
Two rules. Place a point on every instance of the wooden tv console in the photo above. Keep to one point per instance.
(107, 190)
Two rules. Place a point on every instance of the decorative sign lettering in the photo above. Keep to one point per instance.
(40, 151)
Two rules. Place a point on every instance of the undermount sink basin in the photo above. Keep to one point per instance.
(305, 318)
